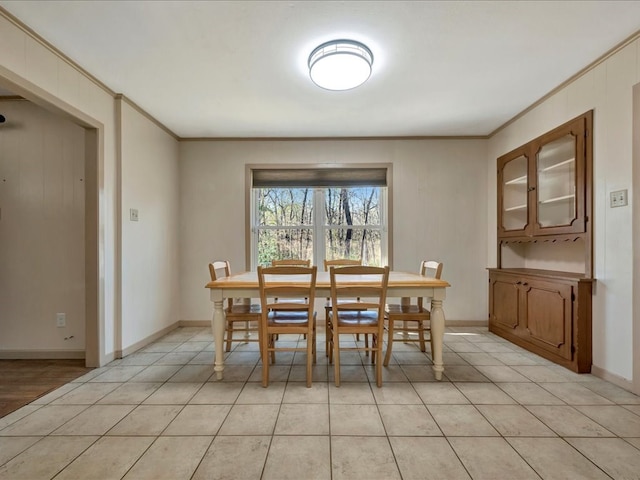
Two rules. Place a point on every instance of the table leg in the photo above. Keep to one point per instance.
(217, 325)
(437, 333)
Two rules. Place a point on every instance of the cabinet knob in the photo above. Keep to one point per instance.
(518, 282)
(531, 189)
(525, 283)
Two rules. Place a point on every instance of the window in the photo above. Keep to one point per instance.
(317, 221)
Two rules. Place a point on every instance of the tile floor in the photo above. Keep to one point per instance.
(499, 413)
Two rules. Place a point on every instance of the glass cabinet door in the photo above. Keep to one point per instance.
(556, 182)
(515, 187)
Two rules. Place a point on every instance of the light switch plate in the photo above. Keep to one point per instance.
(133, 214)
(618, 198)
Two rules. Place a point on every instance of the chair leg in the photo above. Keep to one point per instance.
(421, 335)
(310, 357)
(366, 344)
(378, 352)
(387, 356)
(264, 347)
(336, 352)
(229, 336)
(272, 345)
(326, 331)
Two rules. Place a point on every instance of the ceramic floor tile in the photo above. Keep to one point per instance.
(539, 373)
(95, 420)
(146, 420)
(514, 421)
(351, 393)
(464, 374)
(298, 457)
(142, 358)
(156, 373)
(107, 459)
(575, 394)
(566, 421)
(55, 394)
(461, 420)
(418, 373)
(218, 393)
(173, 458)
(130, 393)
(530, 394)
(301, 419)
(118, 374)
(173, 394)
(355, 420)
(614, 418)
(396, 394)
(234, 457)
(254, 393)
(504, 373)
(440, 463)
(479, 358)
(613, 455)
(297, 392)
(12, 446)
(87, 394)
(491, 459)
(553, 458)
(440, 393)
(499, 418)
(319, 374)
(513, 359)
(250, 420)
(43, 421)
(613, 392)
(45, 458)
(362, 458)
(484, 393)
(16, 415)
(193, 374)
(198, 420)
(408, 420)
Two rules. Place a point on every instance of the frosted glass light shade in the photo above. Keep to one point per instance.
(340, 64)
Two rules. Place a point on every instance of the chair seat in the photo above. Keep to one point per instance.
(357, 317)
(285, 318)
(399, 309)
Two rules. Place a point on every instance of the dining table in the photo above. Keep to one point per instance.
(402, 285)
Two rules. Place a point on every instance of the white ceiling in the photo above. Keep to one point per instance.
(238, 68)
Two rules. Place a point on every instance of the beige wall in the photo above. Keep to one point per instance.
(41, 231)
(607, 89)
(150, 288)
(438, 209)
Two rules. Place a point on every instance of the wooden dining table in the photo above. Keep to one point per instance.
(401, 285)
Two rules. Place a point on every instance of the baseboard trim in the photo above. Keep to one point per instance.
(194, 323)
(612, 378)
(146, 341)
(41, 354)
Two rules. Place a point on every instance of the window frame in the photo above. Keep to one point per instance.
(319, 227)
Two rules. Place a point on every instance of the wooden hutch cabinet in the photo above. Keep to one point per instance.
(545, 222)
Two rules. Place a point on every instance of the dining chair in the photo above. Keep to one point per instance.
(347, 317)
(412, 315)
(295, 289)
(290, 262)
(235, 313)
(339, 262)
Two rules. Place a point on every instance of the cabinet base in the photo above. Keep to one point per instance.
(578, 366)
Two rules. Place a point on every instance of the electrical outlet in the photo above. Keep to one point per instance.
(133, 214)
(618, 198)
(61, 319)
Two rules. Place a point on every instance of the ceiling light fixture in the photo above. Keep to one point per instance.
(340, 64)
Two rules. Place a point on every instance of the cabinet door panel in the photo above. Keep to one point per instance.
(504, 303)
(513, 198)
(549, 316)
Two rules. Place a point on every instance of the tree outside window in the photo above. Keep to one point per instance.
(318, 223)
